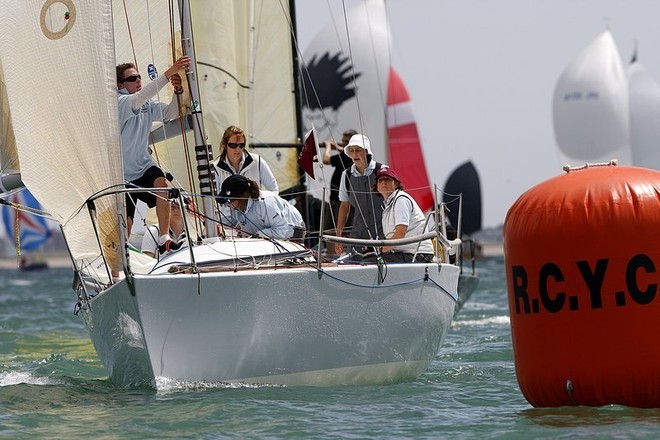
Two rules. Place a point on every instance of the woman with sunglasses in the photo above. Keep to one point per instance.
(137, 111)
(235, 159)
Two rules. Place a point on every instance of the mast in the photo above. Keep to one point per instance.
(203, 151)
(296, 70)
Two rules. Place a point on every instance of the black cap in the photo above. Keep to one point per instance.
(234, 186)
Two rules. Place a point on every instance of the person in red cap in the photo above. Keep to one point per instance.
(402, 217)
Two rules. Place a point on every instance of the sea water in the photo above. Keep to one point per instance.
(52, 385)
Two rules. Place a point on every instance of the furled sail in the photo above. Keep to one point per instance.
(644, 93)
(590, 106)
(67, 141)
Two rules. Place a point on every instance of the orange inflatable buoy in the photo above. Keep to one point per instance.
(582, 258)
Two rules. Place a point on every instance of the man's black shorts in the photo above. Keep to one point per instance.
(146, 181)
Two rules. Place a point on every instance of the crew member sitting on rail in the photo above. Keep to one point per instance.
(402, 217)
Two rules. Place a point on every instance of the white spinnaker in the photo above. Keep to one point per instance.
(369, 55)
(590, 106)
(362, 104)
(644, 117)
(60, 78)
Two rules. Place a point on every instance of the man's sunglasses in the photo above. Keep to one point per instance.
(234, 145)
(131, 78)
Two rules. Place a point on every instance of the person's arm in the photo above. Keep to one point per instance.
(342, 217)
(399, 232)
(401, 209)
(147, 92)
(173, 110)
(267, 177)
(150, 90)
(326, 152)
(274, 218)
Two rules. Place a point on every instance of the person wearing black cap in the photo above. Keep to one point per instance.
(259, 212)
(402, 217)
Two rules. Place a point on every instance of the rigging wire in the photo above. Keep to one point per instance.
(130, 34)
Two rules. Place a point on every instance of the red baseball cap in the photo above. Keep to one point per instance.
(387, 171)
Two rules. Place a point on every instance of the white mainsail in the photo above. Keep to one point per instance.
(644, 93)
(590, 106)
(68, 140)
(245, 66)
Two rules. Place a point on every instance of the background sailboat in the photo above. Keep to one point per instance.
(591, 106)
(28, 231)
(603, 111)
(464, 180)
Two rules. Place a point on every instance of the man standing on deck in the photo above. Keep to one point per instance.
(356, 191)
(137, 112)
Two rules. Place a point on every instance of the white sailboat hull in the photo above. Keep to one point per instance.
(280, 326)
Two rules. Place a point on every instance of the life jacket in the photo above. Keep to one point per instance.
(367, 206)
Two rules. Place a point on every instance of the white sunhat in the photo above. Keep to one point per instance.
(359, 140)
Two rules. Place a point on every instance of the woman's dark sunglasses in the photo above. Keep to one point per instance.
(234, 145)
(131, 78)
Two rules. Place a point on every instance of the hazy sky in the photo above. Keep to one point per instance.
(481, 75)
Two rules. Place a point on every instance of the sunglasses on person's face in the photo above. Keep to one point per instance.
(234, 145)
(131, 78)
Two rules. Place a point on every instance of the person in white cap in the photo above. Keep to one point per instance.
(355, 191)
